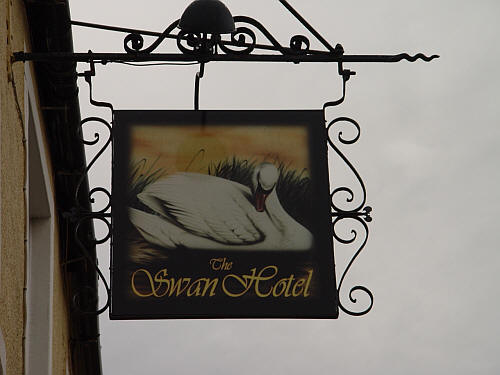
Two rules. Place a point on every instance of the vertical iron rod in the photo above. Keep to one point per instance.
(197, 86)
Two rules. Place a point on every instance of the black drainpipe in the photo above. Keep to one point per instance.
(50, 29)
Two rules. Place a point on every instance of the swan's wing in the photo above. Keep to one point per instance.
(208, 206)
(153, 228)
(160, 231)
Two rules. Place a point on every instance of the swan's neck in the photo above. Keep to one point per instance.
(293, 235)
(276, 212)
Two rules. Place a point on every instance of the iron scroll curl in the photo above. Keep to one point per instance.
(93, 142)
(344, 189)
(134, 42)
(89, 307)
(239, 39)
(81, 215)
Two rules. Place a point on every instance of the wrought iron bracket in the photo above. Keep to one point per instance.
(239, 46)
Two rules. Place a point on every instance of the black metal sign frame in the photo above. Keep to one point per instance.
(347, 203)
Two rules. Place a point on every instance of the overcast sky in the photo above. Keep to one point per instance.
(428, 153)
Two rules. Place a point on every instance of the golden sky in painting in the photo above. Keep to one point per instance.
(193, 147)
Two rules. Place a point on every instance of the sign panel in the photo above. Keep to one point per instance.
(221, 214)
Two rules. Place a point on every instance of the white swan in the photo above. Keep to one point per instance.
(200, 211)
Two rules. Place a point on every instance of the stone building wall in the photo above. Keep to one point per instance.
(14, 36)
(12, 183)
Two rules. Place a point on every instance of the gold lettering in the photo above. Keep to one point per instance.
(197, 290)
(160, 279)
(151, 283)
(195, 287)
(261, 281)
(215, 263)
(287, 291)
(283, 288)
(245, 281)
(298, 288)
(209, 283)
(265, 278)
(177, 285)
(220, 264)
(308, 284)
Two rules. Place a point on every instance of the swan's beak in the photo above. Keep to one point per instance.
(260, 197)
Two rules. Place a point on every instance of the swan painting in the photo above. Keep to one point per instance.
(199, 211)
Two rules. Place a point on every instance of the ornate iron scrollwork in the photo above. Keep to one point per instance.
(80, 214)
(134, 42)
(243, 41)
(350, 209)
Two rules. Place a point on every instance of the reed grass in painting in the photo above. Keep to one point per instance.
(141, 175)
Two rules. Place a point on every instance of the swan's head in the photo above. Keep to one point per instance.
(264, 180)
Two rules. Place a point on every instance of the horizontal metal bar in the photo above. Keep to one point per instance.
(105, 58)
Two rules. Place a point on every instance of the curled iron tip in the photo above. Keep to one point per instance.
(405, 56)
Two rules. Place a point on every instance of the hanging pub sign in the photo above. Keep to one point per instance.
(221, 214)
